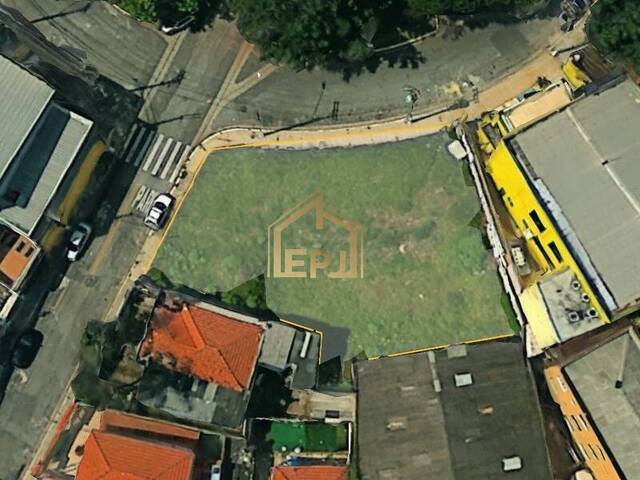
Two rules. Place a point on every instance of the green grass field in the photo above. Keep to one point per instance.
(428, 279)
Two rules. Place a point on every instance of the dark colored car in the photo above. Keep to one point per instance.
(26, 349)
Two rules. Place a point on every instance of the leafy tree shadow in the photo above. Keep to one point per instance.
(404, 57)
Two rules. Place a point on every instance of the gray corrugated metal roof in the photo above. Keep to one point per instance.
(44, 165)
(400, 390)
(23, 98)
(600, 202)
(450, 432)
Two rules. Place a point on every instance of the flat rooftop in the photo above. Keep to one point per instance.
(23, 99)
(615, 411)
(583, 163)
(559, 297)
(43, 166)
(445, 415)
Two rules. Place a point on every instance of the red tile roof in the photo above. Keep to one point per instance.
(108, 456)
(317, 472)
(204, 344)
(110, 419)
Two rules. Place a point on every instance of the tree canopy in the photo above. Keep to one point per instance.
(463, 7)
(169, 12)
(615, 28)
(304, 33)
(308, 33)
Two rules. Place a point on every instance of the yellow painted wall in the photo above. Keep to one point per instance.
(537, 317)
(574, 75)
(80, 182)
(55, 234)
(582, 433)
(521, 201)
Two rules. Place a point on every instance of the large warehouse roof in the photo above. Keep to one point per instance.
(23, 99)
(583, 162)
(445, 415)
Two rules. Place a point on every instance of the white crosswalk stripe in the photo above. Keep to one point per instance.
(178, 167)
(139, 136)
(130, 136)
(159, 155)
(143, 150)
(152, 154)
(169, 162)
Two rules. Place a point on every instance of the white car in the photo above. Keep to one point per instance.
(78, 241)
(179, 26)
(159, 211)
(215, 472)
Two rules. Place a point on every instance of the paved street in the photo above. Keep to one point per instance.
(116, 45)
(204, 57)
(442, 69)
(479, 57)
(86, 292)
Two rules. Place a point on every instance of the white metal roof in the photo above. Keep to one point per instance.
(23, 99)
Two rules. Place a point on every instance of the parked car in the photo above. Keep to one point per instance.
(78, 241)
(159, 211)
(26, 349)
(215, 472)
(178, 26)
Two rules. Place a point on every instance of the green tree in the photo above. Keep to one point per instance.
(463, 7)
(615, 28)
(306, 33)
(169, 12)
(250, 294)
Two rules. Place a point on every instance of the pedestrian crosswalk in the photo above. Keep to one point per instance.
(159, 155)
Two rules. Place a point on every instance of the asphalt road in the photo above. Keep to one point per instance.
(32, 395)
(477, 57)
(204, 58)
(119, 47)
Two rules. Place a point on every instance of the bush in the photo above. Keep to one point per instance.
(144, 10)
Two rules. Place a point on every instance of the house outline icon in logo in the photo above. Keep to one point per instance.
(351, 262)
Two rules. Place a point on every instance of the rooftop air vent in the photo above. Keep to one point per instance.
(512, 464)
(592, 314)
(463, 379)
(575, 284)
(573, 316)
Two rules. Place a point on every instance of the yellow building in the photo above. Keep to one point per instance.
(570, 185)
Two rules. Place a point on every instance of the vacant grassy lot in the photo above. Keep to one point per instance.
(428, 278)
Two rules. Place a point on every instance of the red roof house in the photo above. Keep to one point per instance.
(204, 344)
(109, 456)
(112, 420)
(315, 472)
